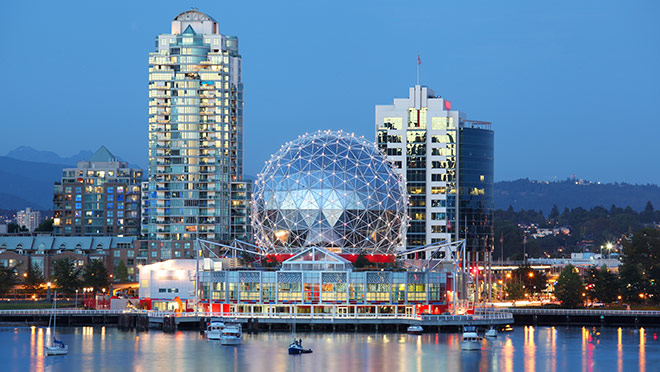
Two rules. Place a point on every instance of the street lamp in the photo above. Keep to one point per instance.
(48, 292)
(609, 247)
(76, 298)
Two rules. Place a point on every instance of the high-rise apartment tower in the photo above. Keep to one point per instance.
(195, 131)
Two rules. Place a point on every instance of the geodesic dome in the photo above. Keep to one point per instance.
(329, 189)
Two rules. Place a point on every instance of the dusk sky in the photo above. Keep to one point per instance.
(571, 87)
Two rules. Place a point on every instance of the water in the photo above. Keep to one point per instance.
(525, 349)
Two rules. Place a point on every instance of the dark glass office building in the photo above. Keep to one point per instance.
(476, 206)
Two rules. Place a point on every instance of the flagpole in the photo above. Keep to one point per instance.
(419, 62)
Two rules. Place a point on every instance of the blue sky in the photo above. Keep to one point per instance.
(572, 87)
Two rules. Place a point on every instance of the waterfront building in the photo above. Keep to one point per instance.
(446, 162)
(100, 197)
(195, 134)
(28, 218)
(320, 203)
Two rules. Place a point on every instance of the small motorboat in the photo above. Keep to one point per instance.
(231, 335)
(415, 330)
(471, 339)
(508, 328)
(491, 333)
(296, 347)
(214, 330)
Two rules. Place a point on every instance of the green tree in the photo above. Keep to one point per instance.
(632, 282)
(569, 287)
(514, 290)
(8, 279)
(361, 261)
(121, 272)
(95, 275)
(640, 270)
(13, 228)
(553, 217)
(46, 225)
(601, 285)
(532, 281)
(33, 280)
(66, 275)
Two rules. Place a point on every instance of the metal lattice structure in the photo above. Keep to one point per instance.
(333, 190)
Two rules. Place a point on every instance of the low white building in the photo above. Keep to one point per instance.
(162, 282)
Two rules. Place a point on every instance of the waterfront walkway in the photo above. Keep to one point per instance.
(491, 318)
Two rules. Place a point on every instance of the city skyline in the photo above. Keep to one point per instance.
(548, 77)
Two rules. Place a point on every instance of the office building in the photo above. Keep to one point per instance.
(195, 134)
(100, 197)
(446, 162)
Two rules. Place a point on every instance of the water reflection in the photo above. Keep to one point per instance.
(527, 348)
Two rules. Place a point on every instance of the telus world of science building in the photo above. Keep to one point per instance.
(331, 210)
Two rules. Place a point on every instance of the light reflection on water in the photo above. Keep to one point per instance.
(527, 348)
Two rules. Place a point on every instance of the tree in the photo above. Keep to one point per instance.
(95, 275)
(46, 225)
(648, 215)
(553, 217)
(13, 228)
(33, 280)
(569, 287)
(532, 281)
(8, 279)
(66, 275)
(640, 270)
(121, 272)
(601, 285)
(514, 290)
(361, 261)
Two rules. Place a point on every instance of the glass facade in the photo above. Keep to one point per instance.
(329, 189)
(476, 186)
(195, 132)
(447, 164)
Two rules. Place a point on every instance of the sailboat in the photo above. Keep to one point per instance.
(56, 347)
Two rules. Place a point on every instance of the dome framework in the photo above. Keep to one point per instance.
(329, 189)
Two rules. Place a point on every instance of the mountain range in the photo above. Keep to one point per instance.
(28, 153)
(572, 193)
(28, 175)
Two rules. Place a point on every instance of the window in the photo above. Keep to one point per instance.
(110, 190)
(154, 254)
(130, 254)
(110, 197)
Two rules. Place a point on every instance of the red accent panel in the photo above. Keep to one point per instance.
(447, 105)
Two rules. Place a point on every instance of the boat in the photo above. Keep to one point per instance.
(214, 330)
(471, 339)
(56, 346)
(491, 333)
(508, 328)
(296, 347)
(415, 330)
(231, 335)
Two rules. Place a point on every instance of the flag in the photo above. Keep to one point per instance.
(419, 60)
